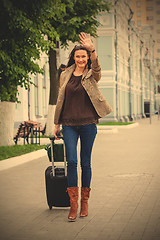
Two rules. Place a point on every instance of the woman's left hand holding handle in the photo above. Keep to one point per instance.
(56, 130)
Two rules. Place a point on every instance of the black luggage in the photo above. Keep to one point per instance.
(56, 176)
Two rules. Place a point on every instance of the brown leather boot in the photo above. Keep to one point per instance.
(73, 194)
(84, 201)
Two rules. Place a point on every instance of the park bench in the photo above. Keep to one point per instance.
(28, 130)
(23, 132)
(41, 130)
(35, 131)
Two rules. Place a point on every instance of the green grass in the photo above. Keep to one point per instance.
(115, 123)
(17, 150)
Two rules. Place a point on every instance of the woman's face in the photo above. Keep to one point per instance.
(81, 58)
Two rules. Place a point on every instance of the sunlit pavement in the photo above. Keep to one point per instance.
(125, 195)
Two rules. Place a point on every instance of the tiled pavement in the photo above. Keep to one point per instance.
(125, 195)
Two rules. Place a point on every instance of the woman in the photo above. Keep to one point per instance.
(79, 106)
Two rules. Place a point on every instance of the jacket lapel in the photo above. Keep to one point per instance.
(68, 74)
(86, 73)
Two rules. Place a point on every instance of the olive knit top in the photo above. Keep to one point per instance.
(77, 107)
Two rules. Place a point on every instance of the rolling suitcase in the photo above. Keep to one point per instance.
(56, 176)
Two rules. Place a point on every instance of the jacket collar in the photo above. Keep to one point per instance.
(86, 74)
(71, 68)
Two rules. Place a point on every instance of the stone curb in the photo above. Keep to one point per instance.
(102, 127)
(15, 161)
(107, 130)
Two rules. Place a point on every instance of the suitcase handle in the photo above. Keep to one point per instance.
(59, 135)
(52, 159)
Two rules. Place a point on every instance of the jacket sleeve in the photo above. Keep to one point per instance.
(96, 69)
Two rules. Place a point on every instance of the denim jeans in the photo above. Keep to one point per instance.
(87, 134)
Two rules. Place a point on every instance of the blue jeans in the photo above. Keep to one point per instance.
(87, 134)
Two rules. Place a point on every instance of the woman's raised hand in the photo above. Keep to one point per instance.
(85, 40)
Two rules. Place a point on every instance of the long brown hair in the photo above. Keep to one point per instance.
(71, 56)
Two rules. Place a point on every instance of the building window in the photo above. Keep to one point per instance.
(138, 13)
(138, 23)
(138, 4)
(150, 18)
(36, 95)
(149, 8)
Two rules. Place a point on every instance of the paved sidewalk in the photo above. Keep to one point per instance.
(125, 195)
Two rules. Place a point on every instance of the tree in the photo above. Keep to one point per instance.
(25, 23)
(24, 27)
(79, 16)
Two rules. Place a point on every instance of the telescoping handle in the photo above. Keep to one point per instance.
(52, 156)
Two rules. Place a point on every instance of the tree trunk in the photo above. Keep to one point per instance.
(54, 86)
(54, 83)
(7, 110)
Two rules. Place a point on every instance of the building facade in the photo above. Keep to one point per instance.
(128, 64)
(148, 12)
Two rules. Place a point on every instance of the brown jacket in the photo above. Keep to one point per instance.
(89, 81)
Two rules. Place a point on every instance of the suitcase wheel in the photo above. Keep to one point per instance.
(50, 207)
